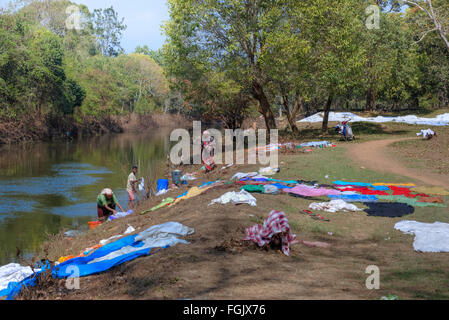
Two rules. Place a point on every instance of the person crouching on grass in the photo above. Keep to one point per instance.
(106, 204)
(131, 186)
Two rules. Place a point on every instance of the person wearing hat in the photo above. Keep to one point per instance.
(106, 203)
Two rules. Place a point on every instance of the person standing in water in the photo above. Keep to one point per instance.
(131, 186)
(106, 204)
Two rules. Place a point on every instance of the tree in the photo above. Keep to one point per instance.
(223, 36)
(156, 55)
(109, 30)
(336, 55)
(435, 13)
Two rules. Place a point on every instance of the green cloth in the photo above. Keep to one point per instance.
(410, 201)
(253, 188)
(103, 201)
(161, 205)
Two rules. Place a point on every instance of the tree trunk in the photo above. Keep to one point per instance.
(371, 98)
(264, 105)
(326, 114)
(290, 116)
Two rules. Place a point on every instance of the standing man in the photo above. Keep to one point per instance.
(106, 203)
(131, 186)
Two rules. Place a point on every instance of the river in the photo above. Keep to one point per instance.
(48, 187)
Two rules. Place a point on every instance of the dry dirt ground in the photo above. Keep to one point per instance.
(217, 264)
(377, 155)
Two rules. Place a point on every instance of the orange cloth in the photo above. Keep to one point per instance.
(431, 199)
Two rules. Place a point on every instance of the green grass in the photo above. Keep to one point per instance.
(404, 272)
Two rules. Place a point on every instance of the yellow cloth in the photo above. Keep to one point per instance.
(439, 191)
(193, 192)
(395, 184)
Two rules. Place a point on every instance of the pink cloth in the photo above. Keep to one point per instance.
(308, 191)
(276, 223)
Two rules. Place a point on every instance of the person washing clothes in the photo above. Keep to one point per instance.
(131, 186)
(106, 204)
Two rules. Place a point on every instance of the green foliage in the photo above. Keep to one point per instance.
(156, 55)
(108, 28)
(47, 68)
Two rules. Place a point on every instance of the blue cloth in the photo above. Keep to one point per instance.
(255, 179)
(360, 184)
(14, 288)
(82, 264)
(280, 186)
(354, 197)
(381, 188)
(86, 268)
(283, 181)
(315, 144)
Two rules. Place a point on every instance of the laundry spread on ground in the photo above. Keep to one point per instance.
(399, 191)
(268, 171)
(390, 210)
(317, 144)
(429, 237)
(358, 184)
(309, 191)
(431, 199)
(395, 184)
(111, 255)
(441, 120)
(334, 206)
(354, 197)
(241, 197)
(108, 240)
(13, 272)
(410, 201)
(364, 190)
(275, 223)
(253, 188)
(426, 134)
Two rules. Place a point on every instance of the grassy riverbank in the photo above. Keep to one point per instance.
(217, 265)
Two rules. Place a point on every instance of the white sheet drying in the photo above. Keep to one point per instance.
(426, 133)
(13, 272)
(241, 175)
(334, 206)
(128, 231)
(429, 237)
(441, 120)
(158, 236)
(241, 197)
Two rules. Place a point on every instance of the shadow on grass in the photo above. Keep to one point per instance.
(374, 128)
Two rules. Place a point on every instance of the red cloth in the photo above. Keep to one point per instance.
(275, 223)
(248, 183)
(367, 191)
(399, 191)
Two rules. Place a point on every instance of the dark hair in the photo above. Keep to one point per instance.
(134, 167)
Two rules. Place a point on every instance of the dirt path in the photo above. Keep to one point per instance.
(375, 155)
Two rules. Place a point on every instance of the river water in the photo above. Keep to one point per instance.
(48, 187)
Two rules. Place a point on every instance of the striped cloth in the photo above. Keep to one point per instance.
(276, 223)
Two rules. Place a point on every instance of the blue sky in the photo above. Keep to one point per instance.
(143, 18)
